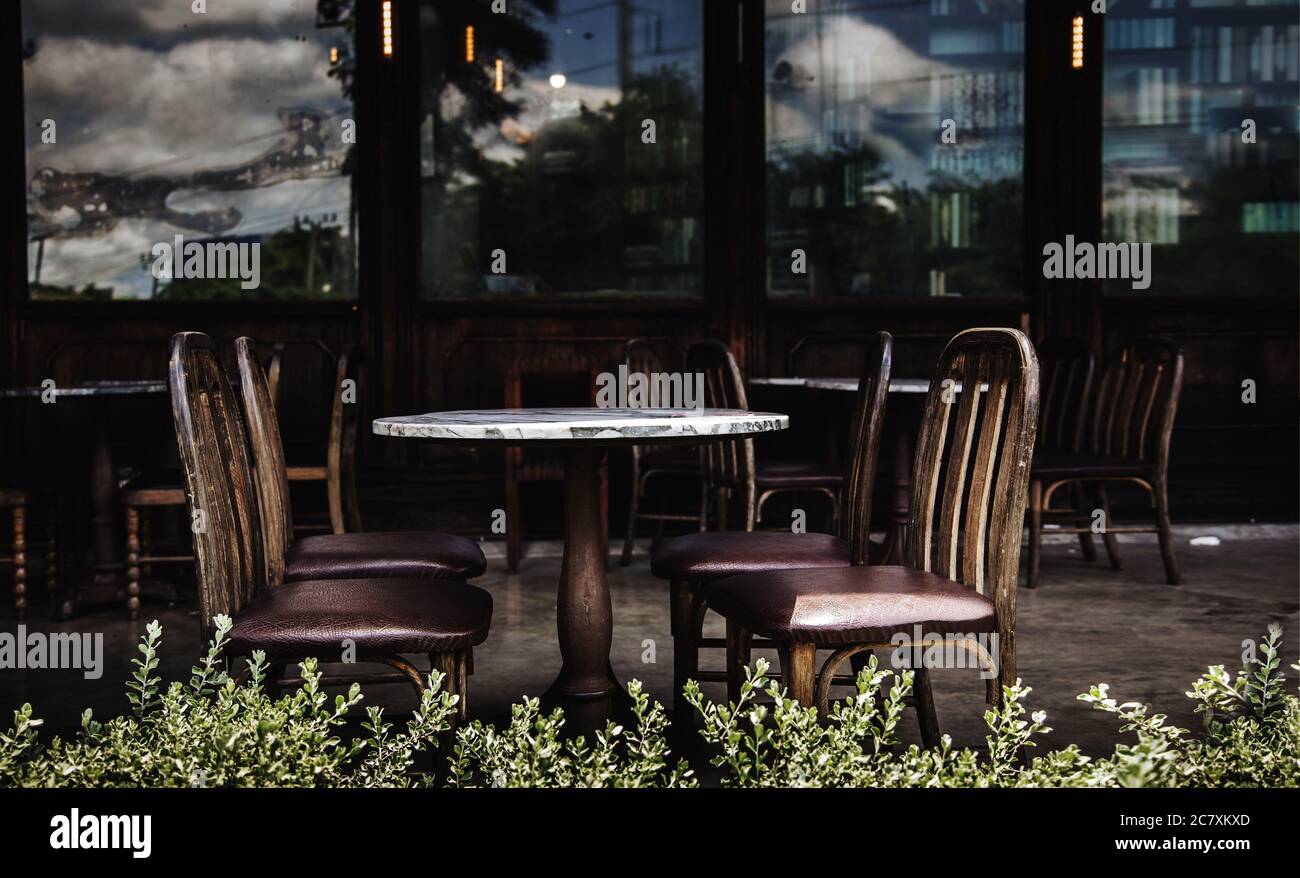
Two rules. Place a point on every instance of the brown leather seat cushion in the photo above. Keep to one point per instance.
(1053, 464)
(712, 555)
(412, 554)
(795, 473)
(850, 605)
(312, 619)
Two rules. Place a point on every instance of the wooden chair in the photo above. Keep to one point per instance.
(338, 474)
(385, 619)
(410, 554)
(968, 507)
(159, 489)
(1132, 422)
(655, 462)
(693, 561)
(542, 464)
(18, 501)
(1066, 368)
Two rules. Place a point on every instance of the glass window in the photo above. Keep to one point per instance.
(1199, 144)
(895, 148)
(561, 152)
(173, 154)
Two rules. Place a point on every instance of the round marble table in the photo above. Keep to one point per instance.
(106, 511)
(586, 686)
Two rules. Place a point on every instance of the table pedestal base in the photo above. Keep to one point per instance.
(586, 687)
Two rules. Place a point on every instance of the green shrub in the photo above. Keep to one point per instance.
(215, 732)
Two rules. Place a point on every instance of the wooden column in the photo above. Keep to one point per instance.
(1062, 161)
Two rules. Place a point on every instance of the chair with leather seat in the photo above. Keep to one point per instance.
(1131, 425)
(968, 507)
(338, 473)
(692, 561)
(399, 554)
(1065, 369)
(652, 464)
(161, 489)
(386, 619)
(18, 500)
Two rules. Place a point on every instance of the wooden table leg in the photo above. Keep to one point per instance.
(586, 687)
(106, 544)
(900, 513)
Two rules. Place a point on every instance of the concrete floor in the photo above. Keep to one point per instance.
(1085, 624)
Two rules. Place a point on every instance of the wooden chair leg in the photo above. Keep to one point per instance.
(146, 544)
(739, 641)
(275, 672)
(925, 713)
(334, 494)
(1035, 530)
(52, 554)
(133, 562)
(1108, 537)
(351, 500)
(20, 561)
(1164, 531)
(686, 650)
(629, 538)
(1086, 544)
(799, 670)
(512, 520)
(453, 666)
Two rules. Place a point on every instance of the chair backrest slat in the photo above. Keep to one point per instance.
(218, 473)
(864, 444)
(269, 469)
(345, 414)
(1137, 399)
(729, 464)
(1066, 367)
(983, 472)
(274, 364)
(968, 403)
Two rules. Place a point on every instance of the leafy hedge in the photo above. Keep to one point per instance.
(215, 732)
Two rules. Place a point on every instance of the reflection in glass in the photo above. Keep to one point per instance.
(1200, 144)
(895, 148)
(537, 176)
(232, 127)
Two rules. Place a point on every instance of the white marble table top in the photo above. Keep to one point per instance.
(580, 425)
(89, 390)
(850, 385)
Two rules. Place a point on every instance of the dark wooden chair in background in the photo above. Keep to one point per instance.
(654, 463)
(963, 544)
(386, 619)
(545, 381)
(18, 501)
(365, 555)
(338, 473)
(692, 561)
(1132, 422)
(1066, 368)
(153, 490)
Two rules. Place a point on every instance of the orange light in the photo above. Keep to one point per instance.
(334, 54)
(500, 79)
(1076, 56)
(386, 20)
(469, 45)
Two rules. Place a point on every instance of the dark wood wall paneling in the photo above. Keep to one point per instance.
(431, 355)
